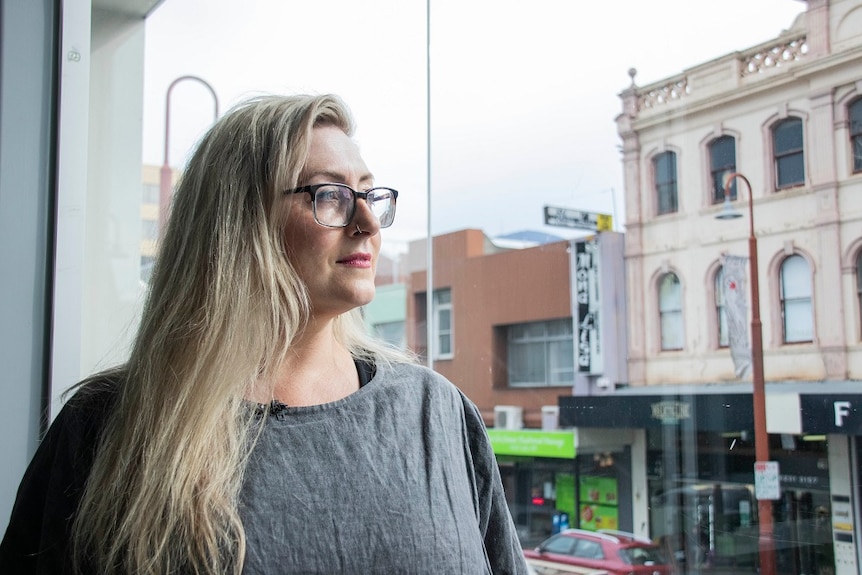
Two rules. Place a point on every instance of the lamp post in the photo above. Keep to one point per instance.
(766, 545)
(165, 175)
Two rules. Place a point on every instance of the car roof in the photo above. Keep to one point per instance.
(612, 536)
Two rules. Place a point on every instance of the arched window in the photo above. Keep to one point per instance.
(722, 160)
(854, 112)
(670, 312)
(796, 312)
(720, 309)
(788, 150)
(664, 174)
(859, 285)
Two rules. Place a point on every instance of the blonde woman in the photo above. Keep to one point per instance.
(256, 427)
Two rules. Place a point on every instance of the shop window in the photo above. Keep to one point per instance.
(670, 312)
(443, 324)
(789, 153)
(722, 161)
(854, 111)
(720, 309)
(541, 354)
(664, 174)
(796, 311)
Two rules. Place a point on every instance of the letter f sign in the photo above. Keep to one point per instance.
(842, 410)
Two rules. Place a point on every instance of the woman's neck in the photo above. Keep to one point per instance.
(317, 369)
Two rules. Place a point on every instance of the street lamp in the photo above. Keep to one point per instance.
(766, 546)
(165, 176)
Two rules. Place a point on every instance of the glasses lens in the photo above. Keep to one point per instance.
(333, 205)
(382, 204)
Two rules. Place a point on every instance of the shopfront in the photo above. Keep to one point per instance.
(699, 458)
(557, 479)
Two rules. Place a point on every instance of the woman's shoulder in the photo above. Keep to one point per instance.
(89, 404)
(420, 379)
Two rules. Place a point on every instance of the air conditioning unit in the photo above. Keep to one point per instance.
(508, 417)
(550, 417)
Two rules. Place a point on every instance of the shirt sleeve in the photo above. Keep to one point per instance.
(36, 539)
(502, 546)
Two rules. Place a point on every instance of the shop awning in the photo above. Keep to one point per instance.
(791, 408)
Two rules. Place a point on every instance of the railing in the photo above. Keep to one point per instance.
(757, 60)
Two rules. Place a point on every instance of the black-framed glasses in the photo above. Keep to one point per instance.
(334, 205)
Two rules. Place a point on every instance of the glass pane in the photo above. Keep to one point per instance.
(798, 321)
(445, 344)
(855, 113)
(788, 136)
(723, 154)
(561, 356)
(527, 364)
(791, 170)
(670, 293)
(444, 319)
(795, 278)
(671, 330)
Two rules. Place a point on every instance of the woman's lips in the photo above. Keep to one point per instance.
(356, 260)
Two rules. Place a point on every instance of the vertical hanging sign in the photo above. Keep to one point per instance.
(587, 344)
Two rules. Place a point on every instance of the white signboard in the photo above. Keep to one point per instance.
(568, 218)
(766, 480)
(588, 348)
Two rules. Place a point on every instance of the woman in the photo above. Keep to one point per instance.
(256, 427)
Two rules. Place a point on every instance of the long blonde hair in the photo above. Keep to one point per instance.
(223, 308)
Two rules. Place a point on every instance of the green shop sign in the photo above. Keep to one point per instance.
(533, 443)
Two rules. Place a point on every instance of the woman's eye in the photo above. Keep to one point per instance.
(328, 196)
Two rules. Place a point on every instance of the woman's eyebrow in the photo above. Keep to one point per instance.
(337, 177)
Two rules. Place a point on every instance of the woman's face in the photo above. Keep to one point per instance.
(336, 265)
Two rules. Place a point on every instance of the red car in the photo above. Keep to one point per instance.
(617, 552)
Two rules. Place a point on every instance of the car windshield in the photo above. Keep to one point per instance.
(642, 555)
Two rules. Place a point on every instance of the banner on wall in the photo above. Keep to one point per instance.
(736, 312)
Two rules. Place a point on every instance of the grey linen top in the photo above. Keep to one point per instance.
(398, 477)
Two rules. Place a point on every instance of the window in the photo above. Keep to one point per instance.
(670, 312)
(720, 310)
(664, 171)
(722, 161)
(589, 549)
(561, 544)
(789, 154)
(149, 229)
(391, 332)
(150, 194)
(854, 111)
(541, 354)
(796, 300)
(859, 285)
(443, 324)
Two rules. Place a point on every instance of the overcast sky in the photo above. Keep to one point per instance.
(523, 94)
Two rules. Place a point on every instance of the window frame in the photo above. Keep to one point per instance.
(718, 171)
(780, 155)
(854, 127)
(547, 341)
(668, 311)
(440, 308)
(796, 299)
(666, 190)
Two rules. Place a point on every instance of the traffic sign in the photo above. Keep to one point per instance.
(568, 218)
